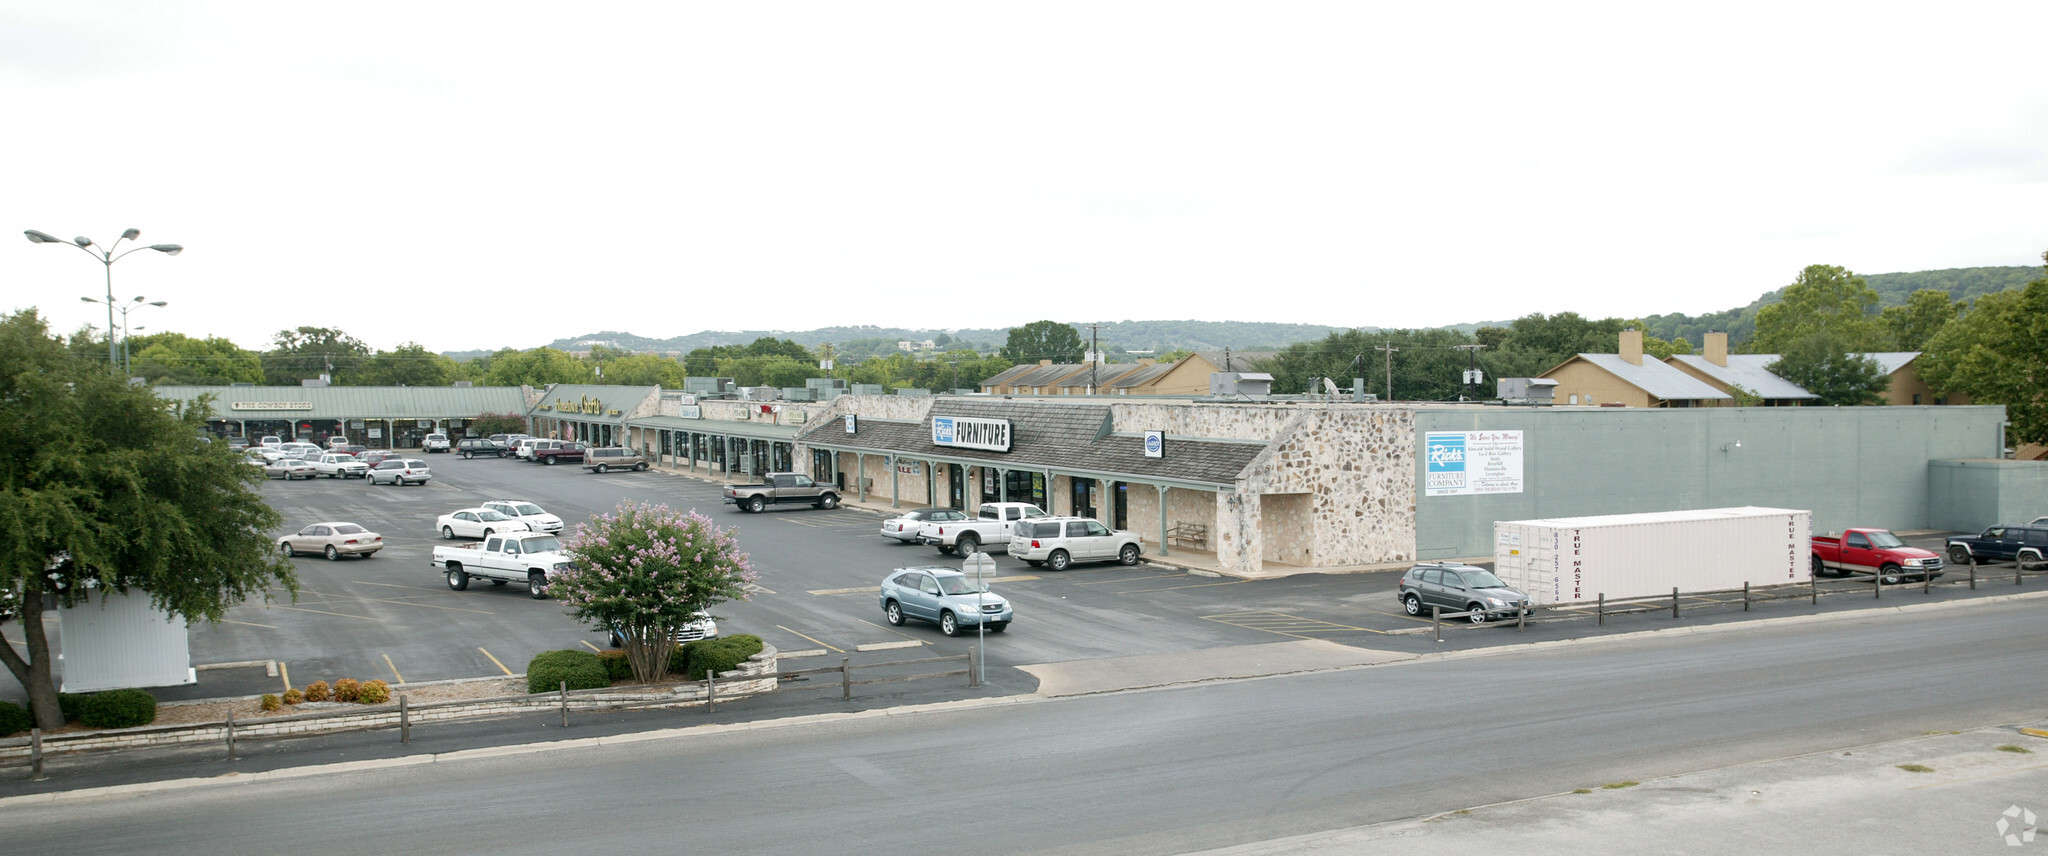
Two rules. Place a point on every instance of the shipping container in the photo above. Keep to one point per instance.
(1577, 559)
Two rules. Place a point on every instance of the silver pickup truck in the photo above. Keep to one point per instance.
(781, 487)
(526, 557)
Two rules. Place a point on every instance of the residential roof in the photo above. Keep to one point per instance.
(1234, 360)
(1891, 361)
(1004, 377)
(1750, 372)
(1048, 375)
(1141, 377)
(355, 402)
(1063, 437)
(1659, 379)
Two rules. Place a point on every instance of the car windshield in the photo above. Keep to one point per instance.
(1482, 580)
(540, 545)
(1885, 540)
(527, 508)
(959, 585)
(488, 514)
(347, 529)
(1032, 511)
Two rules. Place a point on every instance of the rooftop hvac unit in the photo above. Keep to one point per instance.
(463, 384)
(826, 383)
(1240, 383)
(799, 393)
(867, 389)
(757, 393)
(1526, 390)
(713, 386)
(911, 390)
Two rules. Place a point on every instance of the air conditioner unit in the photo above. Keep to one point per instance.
(758, 393)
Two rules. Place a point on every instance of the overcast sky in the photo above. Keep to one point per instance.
(478, 175)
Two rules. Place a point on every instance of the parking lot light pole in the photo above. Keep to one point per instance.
(107, 257)
(125, 308)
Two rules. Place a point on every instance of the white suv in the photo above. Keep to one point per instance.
(434, 443)
(1057, 542)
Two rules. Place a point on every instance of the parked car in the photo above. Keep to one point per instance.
(604, 459)
(340, 465)
(356, 449)
(288, 468)
(337, 442)
(1058, 542)
(270, 441)
(518, 509)
(904, 527)
(506, 557)
(1459, 587)
(333, 540)
(704, 627)
(374, 457)
(1873, 551)
(522, 448)
(944, 596)
(559, 451)
(238, 443)
(434, 443)
(299, 450)
(2026, 545)
(471, 447)
(476, 523)
(400, 471)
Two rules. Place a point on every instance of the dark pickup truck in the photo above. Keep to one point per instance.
(560, 453)
(782, 487)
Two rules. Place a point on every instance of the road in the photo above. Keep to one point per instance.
(1154, 772)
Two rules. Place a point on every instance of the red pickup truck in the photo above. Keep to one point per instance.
(1873, 551)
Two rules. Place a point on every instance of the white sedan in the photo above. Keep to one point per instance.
(477, 523)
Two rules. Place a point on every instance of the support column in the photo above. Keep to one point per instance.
(860, 471)
(894, 462)
(1162, 517)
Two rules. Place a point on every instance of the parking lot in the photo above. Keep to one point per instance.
(393, 616)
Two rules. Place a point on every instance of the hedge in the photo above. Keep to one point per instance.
(723, 654)
(582, 669)
(13, 718)
(117, 709)
(616, 666)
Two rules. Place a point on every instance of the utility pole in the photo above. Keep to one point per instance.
(1389, 349)
(826, 362)
(1094, 356)
(1472, 374)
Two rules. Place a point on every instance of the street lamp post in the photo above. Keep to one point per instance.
(107, 257)
(125, 308)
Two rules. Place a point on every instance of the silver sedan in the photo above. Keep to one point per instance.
(333, 540)
(903, 527)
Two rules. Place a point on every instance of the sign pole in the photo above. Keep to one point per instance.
(981, 567)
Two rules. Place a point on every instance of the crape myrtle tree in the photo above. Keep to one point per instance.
(106, 488)
(646, 570)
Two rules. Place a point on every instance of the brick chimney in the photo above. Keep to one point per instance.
(1632, 347)
(1716, 348)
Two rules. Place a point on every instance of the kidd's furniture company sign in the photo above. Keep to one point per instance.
(966, 432)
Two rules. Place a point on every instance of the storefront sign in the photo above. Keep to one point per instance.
(909, 468)
(356, 424)
(271, 405)
(690, 411)
(1155, 444)
(1463, 463)
(849, 423)
(376, 432)
(426, 423)
(966, 432)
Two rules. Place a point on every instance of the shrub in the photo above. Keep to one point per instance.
(374, 692)
(715, 655)
(70, 703)
(293, 696)
(316, 691)
(271, 702)
(346, 689)
(117, 709)
(13, 718)
(549, 669)
(616, 666)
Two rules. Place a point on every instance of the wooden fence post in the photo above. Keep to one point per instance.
(404, 720)
(710, 691)
(1522, 620)
(1436, 621)
(1813, 587)
(35, 755)
(231, 735)
(1877, 584)
(973, 668)
(1745, 595)
(1600, 609)
(1973, 571)
(1674, 601)
(846, 679)
(565, 703)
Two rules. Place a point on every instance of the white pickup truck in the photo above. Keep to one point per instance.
(991, 525)
(526, 557)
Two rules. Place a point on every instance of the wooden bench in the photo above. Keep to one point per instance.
(1188, 535)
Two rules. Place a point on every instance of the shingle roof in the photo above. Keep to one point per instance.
(1064, 437)
(1048, 375)
(358, 402)
(1661, 380)
(1751, 372)
(1006, 376)
(1141, 377)
(1236, 361)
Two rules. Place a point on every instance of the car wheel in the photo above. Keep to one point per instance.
(967, 544)
(640, 467)
(2027, 559)
(458, 579)
(894, 613)
(537, 585)
(469, 456)
(948, 624)
(1058, 560)
(757, 504)
(1959, 554)
(285, 547)
(333, 555)
(1891, 574)
(601, 469)
(1820, 569)
(946, 550)
(1478, 615)
(447, 533)
(1412, 605)
(1128, 555)
(550, 461)
(828, 501)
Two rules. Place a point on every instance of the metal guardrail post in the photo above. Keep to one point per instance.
(565, 703)
(1436, 621)
(1674, 601)
(1600, 609)
(35, 755)
(404, 720)
(231, 735)
(846, 679)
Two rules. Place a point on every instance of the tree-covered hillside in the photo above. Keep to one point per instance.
(1892, 290)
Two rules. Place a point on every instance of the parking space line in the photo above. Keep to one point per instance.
(859, 590)
(394, 668)
(501, 666)
(1132, 579)
(1196, 585)
(321, 612)
(427, 605)
(891, 630)
(286, 673)
(808, 639)
(1294, 625)
(753, 588)
(248, 624)
(586, 644)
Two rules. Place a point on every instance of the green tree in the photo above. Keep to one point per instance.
(1044, 340)
(1825, 301)
(647, 570)
(106, 489)
(538, 367)
(1426, 365)
(308, 352)
(1820, 365)
(174, 358)
(644, 370)
(1913, 323)
(486, 424)
(1997, 353)
(409, 364)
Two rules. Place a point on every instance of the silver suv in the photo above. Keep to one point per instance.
(1057, 542)
(601, 459)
